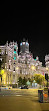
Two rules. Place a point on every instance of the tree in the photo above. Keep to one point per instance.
(20, 81)
(24, 81)
(39, 78)
(32, 79)
(28, 83)
(29, 79)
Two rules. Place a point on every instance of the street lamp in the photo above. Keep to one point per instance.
(47, 68)
(2, 71)
(17, 68)
(33, 67)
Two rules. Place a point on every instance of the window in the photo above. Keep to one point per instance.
(14, 49)
(14, 69)
(9, 66)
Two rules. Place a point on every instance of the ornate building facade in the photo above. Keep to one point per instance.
(15, 65)
(47, 63)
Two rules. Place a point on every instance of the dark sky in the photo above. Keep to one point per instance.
(30, 24)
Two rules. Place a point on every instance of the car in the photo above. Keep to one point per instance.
(24, 87)
(4, 87)
(20, 87)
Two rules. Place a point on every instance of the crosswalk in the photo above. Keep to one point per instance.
(18, 92)
(13, 93)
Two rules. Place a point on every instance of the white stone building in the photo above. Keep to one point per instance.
(15, 65)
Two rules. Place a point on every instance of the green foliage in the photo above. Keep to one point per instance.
(28, 83)
(24, 81)
(32, 79)
(20, 81)
(45, 83)
(39, 78)
(29, 79)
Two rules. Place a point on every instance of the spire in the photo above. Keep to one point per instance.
(7, 43)
(13, 42)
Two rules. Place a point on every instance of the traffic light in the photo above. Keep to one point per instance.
(46, 76)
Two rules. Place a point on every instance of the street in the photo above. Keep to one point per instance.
(21, 100)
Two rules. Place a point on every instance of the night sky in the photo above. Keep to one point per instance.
(29, 24)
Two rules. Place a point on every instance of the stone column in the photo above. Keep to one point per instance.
(7, 78)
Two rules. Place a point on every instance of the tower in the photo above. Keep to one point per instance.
(24, 46)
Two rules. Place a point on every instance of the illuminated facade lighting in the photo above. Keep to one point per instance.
(19, 65)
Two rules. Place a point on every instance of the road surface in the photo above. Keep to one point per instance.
(21, 100)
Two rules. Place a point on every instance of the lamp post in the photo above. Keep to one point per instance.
(33, 68)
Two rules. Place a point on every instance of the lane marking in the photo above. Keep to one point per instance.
(18, 95)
